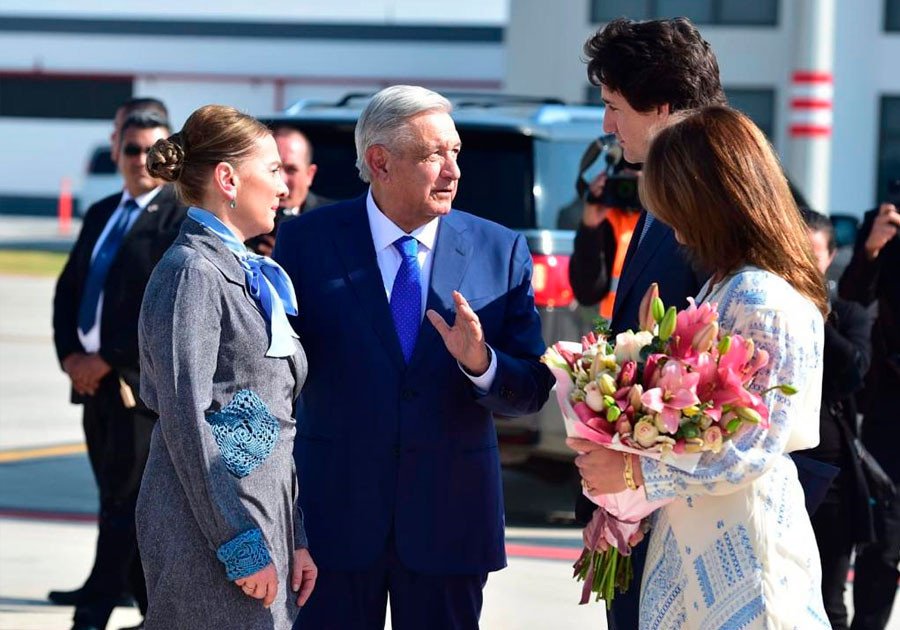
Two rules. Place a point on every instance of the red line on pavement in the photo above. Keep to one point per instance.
(810, 103)
(42, 515)
(542, 552)
(811, 77)
(817, 131)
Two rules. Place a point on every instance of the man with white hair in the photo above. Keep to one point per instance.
(396, 449)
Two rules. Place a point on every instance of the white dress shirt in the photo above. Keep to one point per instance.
(91, 340)
(384, 233)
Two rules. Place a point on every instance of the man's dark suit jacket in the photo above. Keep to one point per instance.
(410, 451)
(144, 244)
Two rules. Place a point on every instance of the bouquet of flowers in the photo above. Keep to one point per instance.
(673, 390)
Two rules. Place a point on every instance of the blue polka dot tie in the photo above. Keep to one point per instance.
(406, 295)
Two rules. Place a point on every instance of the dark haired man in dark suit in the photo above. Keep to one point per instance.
(639, 100)
(95, 316)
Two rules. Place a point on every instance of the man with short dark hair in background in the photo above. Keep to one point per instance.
(123, 111)
(95, 317)
(299, 172)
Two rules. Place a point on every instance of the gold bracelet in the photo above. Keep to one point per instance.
(629, 473)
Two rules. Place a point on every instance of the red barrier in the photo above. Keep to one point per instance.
(64, 209)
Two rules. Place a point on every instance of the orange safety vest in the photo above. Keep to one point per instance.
(623, 223)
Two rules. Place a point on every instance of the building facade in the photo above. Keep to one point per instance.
(65, 66)
(756, 44)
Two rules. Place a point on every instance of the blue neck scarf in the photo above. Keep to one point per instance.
(266, 281)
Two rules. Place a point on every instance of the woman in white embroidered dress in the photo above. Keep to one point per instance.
(735, 548)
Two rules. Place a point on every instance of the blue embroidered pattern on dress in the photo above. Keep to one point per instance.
(661, 602)
(244, 555)
(719, 583)
(728, 575)
(245, 431)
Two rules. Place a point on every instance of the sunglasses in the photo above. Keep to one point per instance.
(134, 150)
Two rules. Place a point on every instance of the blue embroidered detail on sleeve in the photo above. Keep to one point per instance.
(245, 431)
(244, 555)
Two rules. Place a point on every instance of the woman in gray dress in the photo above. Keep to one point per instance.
(219, 528)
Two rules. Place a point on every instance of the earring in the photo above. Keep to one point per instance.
(233, 204)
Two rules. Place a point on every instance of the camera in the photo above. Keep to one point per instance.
(893, 189)
(621, 188)
(620, 191)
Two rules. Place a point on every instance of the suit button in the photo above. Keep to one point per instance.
(407, 394)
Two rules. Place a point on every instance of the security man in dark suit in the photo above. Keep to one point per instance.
(299, 171)
(95, 318)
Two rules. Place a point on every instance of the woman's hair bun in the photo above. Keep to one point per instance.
(166, 158)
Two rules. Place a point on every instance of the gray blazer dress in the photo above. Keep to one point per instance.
(219, 491)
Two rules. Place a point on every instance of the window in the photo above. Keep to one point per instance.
(723, 12)
(892, 15)
(62, 97)
(592, 95)
(758, 104)
(888, 145)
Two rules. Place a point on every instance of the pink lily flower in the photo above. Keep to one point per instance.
(689, 322)
(676, 390)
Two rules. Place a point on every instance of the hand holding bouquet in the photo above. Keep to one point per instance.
(675, 389)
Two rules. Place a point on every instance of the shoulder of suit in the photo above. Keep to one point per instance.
(849, 310)
(479, 225)
(166, 199)
(326, 215)
(105, 205)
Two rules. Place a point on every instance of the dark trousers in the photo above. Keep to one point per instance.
(834, 536)
(625, 611)
(358, 600)
(875, 584)
(118, 442)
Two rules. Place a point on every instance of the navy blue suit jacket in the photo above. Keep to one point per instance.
(383, 447)
(661, 260)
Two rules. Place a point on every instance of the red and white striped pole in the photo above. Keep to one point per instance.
(811, 98)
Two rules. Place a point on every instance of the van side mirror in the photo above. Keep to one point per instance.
(846, 227)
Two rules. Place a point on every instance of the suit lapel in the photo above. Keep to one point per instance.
(353, 242)
(634, 264)
(149, 215)
(451, 257)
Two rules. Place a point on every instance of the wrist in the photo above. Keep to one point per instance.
(480, 367)
(872, 252)
(632, 472)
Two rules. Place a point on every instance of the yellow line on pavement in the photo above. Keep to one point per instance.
(22, 454)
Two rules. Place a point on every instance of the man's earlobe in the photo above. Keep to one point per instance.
(376, 157)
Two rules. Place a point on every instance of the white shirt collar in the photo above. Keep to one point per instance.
(141, 200)
(385, 231)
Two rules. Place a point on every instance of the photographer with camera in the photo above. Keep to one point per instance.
(872, 276)
(610, 211)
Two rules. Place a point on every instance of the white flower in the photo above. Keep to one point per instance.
(645, 433)
(629, 344)
(593, 397)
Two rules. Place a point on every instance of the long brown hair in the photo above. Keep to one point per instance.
(715, 179)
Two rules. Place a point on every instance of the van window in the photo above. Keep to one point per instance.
(497, 171)
(101, 163)
(497, 177)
